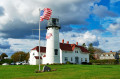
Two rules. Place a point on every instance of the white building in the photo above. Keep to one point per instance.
(110, 55)
(56, 52)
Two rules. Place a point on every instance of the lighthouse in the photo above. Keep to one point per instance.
(52, 44)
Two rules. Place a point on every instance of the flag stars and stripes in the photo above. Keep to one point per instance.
(45, 14)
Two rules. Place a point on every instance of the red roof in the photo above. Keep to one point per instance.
(66, 47)
(37, 57)
(82, 49)
(42, 49)
(70, 47)
(63, 46)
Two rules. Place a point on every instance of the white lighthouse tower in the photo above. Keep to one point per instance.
(52, 45)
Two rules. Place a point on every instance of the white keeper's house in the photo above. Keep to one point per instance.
(56, 52)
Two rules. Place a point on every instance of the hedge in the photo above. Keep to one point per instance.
(110, 61)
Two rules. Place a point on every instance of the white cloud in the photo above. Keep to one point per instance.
(112, 44)
(81, 38)
(114, 27)
(24, 44)
(4, 20)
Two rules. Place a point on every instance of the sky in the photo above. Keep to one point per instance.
(82, 21)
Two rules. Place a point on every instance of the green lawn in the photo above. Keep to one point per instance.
(62, 72)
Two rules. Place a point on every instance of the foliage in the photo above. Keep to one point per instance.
(110, 61)
(118, 51)
(91, 48)
(91, 57)
(3, 55)
(62, 72)
(94, 50)
(19, 56)
(98, 50)
(68, 62)
(27, 56)
(6, 61)
(84, 45)
(85, 63)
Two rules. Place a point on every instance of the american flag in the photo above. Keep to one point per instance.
(48, 35)
(45, 14)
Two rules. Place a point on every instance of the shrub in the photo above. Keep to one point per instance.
(85, 63)
(47, 63)
(110, 61)
(68, 62)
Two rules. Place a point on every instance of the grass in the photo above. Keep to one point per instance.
(62, 72)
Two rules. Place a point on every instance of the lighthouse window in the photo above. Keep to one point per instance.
(33, 54)
(56, 51)
(54, 21)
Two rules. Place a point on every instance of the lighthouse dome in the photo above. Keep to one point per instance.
(53, 22)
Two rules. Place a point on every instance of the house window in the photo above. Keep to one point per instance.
(77, 51)
(81, 59)
(111, 54)
(66, 58)
(85, 59)
(71, 58)
(56, 51)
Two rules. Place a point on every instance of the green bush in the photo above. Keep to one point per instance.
(6, 61)
(110, 61)
(68, 62)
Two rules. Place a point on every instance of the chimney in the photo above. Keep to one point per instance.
(67, 42)
(63, 41)
(76, 43)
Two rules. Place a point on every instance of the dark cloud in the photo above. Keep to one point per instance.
(73, 13)
(69, 13)
(1, 11)
(102, 11)
(96, 43)
(16, 44)
(65, 28)
(73, 35)
(19, 29)
(106, 41)
(7, 46)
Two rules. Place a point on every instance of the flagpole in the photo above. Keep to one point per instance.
(39, 39)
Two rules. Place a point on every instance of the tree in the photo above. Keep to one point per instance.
(3, 55)
(91, 48)
(27, 56)
(18, 56)
(98, 50)
(84, 45)
(118, 51)
(0, 57)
